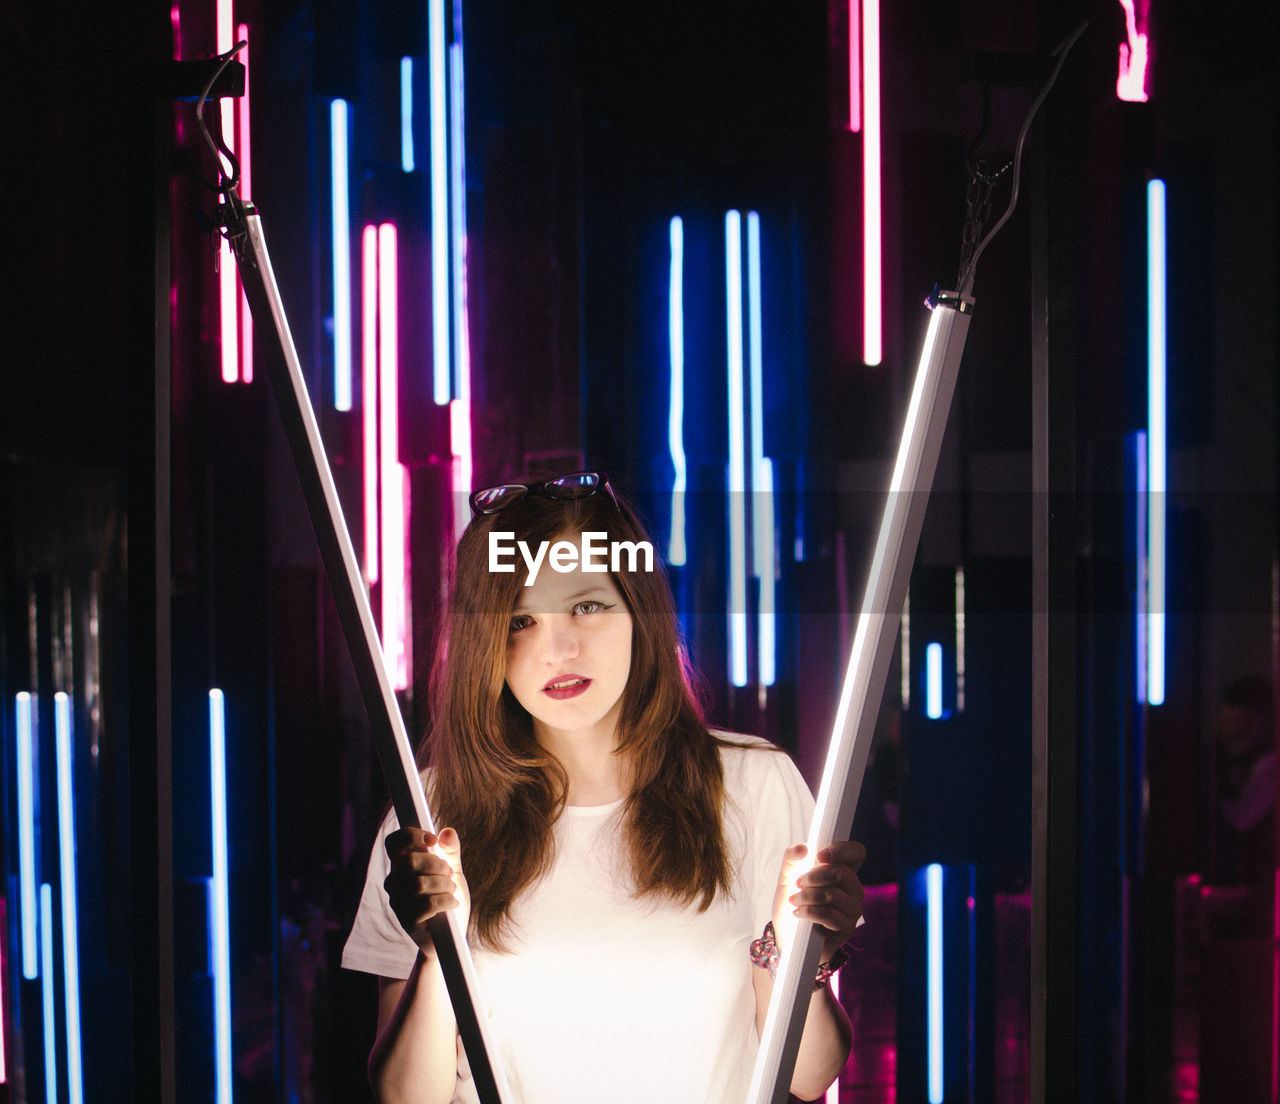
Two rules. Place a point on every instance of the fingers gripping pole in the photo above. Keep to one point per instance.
(864, 680)
(390, 738)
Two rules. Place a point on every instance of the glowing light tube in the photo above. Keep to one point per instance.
(762, 540)
(460, 442)
(391, 472)
(1131, 80)
(228, 292)
(904, 691)
(340, 214)
(406, 114)
(1140, 561)
(933, 682)
(737, 452)
(933, 983)
(28, 829)
(872, 275)
(48, 1000)
(220, 910)
(438, 84)
(960, 639)
(369, 398)
(855, 67)
(677, 553)
(458, 218)
(866, 673)
(242, 148)
(1157, 477)
(68, 894)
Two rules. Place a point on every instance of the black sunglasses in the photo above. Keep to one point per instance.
(564, 488)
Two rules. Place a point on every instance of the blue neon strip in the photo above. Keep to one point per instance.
(458, 216)
(47, 999)
(1140, 559)
(27, 828)
(763, 537)
(220, 913)
(933, 681)
(339, 144)
(677, 553)
(1157, 483)
(68, 892)
(406, 114)
(737, 452)
(438, 80)
(933, 967)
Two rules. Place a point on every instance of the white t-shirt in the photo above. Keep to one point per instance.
(606, 997)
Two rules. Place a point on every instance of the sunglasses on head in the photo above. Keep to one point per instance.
(564, 488)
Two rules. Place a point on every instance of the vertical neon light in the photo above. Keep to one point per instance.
(369, 397)
(933, 985)
(220, 910)
(438, 99)
(406, 114)
(737, 453)
(339, 189)
(68, 894)
(391, 472)
(1156, 441)
(960, 642)
(872, 290)
(48, 1001)
(458, 217)
(762, 544)
(855, 67)
(1140, 559)
(1131, 80)
(904, 692)
(25, 733)
(242, 148)
(677, 553)
(933, 681)
(460, 441)
(228, 291)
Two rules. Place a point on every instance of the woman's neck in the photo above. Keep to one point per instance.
(596, 773)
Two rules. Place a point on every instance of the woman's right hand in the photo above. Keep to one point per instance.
(426, 878)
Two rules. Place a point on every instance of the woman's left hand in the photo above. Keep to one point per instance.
(828, 893)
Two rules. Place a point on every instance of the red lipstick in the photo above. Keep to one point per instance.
(566, 686)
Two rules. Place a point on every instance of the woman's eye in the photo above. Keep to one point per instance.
(591, 606)
(520, 621)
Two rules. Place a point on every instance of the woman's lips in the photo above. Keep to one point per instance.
(566, 686)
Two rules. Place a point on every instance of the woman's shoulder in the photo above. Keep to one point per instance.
(753, 765)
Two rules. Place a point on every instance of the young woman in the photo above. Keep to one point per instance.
(621, 861)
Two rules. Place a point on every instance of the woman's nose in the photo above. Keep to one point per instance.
(560, 641)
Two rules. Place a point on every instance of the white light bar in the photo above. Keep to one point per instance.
(677, 553)
(933, 681)
(737, 450)
(406, 114)
(68, 894)
(28, 829)
(340, 215)
(1157, 449)
(872, 261)
(865, 676)
(220, 904)
(933, 982)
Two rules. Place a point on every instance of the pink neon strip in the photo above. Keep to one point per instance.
(1131, 81)
(394, 643)
(855, 67)
(228, 296)
(872, 292)
(242, 148)
(369, 392)
(461, 473)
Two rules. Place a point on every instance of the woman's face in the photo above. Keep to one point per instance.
(569, 653)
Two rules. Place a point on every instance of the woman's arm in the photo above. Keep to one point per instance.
(415, 1056)
(831, 896)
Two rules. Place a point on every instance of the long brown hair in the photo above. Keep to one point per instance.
(502, 792)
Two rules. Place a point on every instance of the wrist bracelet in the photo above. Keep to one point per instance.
(765, 954)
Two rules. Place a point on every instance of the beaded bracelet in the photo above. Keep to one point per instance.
(765, 954)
